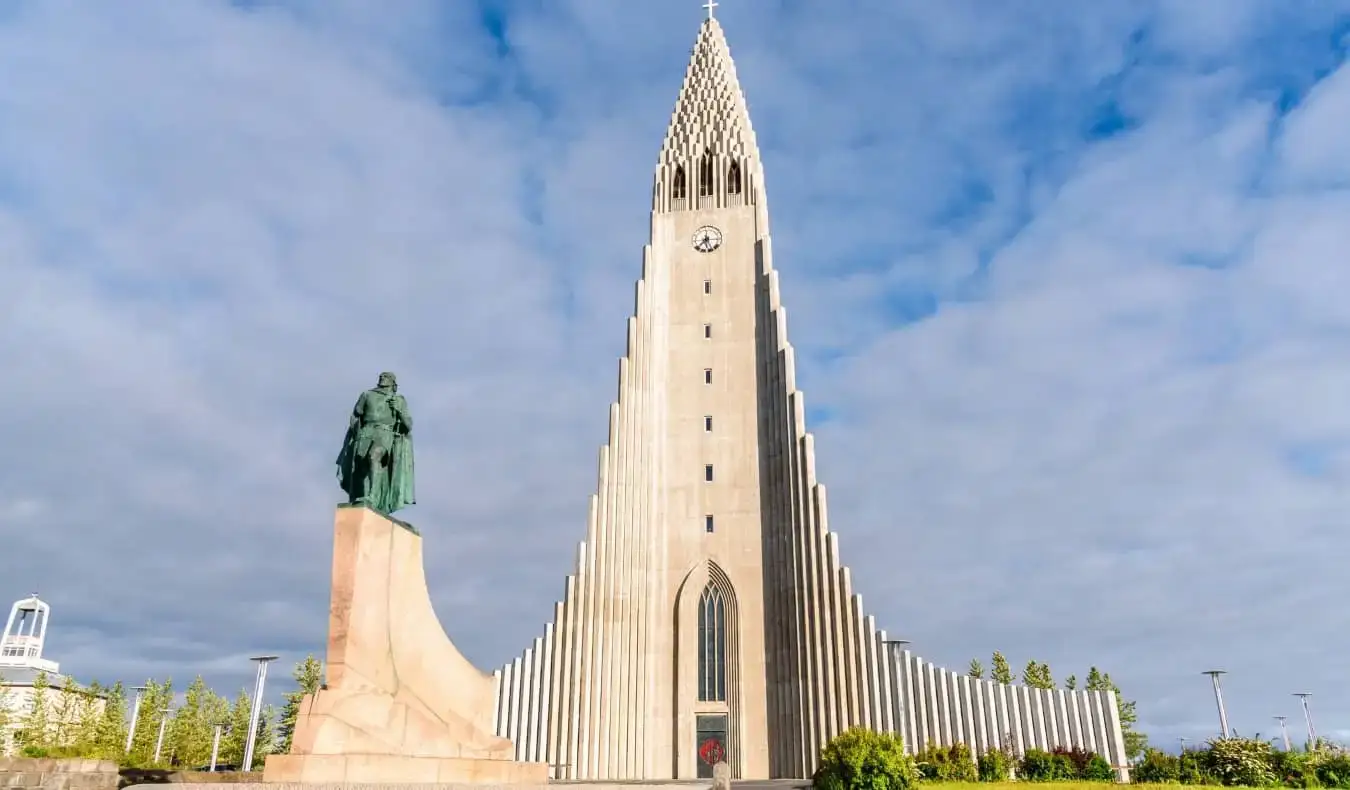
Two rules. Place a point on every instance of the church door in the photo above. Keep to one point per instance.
(710, 742)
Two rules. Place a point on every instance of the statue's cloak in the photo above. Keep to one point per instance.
(400, 492)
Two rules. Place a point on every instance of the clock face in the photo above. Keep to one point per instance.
(707, 238)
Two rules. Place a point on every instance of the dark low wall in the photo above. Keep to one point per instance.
(150, 776)
(26, 773)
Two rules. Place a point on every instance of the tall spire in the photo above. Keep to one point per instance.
(710, 113)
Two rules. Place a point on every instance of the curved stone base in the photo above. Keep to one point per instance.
(396, 770)
(402, 705)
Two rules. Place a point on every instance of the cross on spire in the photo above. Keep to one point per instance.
(710, 5)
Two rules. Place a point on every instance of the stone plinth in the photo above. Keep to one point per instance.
(402, 705)
(25, 773)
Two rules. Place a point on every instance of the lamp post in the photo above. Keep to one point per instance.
(256, 712)
(1218, 699)
(135, 714)
(159, 742)
(894, 646)
(215, 746)
(1183, 745)
(1307, 717)
(1284, 731)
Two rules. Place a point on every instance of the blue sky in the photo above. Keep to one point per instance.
(1066, 284)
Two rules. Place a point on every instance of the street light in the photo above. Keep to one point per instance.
(159, 742)
(1307, 717)
(135, 714)
(215, 746)
(1218, 700)
(1183, 744)
(1284, 731)
(256, 712)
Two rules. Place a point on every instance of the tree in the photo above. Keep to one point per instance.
(308, 676)
(35, 728)
(976, 669)
(7, 716)
(191, 731)
(110, 735)
(236, 729)
(265, 742)
(1000, 672)
(1135, 742)
(1071, 682)
(1037, 675)
(154, 700)
(79, 718)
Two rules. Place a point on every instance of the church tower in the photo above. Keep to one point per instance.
(709, 616)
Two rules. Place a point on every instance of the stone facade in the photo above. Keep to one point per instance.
(17, 694)
(710, 614)
(29, 774)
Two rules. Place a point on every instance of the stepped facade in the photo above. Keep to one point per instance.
(709, 616)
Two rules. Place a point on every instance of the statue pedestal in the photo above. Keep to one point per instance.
(401, 705)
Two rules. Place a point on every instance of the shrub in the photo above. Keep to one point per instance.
(1098, 770)
(1330, 768)
(995, 766)
(1156, 768)
(1076, 758)
(1042, 766)
(1242, 762)
(1293, 769)
(860, 759)
(952, 763)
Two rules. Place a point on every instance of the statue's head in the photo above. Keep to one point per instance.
(389, 380)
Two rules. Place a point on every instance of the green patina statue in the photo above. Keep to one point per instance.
(375, 466)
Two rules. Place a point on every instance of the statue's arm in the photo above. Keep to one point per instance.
(404, 415)
(358, 411)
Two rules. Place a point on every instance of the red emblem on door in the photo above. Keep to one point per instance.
(711, 751)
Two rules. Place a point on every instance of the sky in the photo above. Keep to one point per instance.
(1066, 283)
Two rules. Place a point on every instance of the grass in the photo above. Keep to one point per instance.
(1044, 785)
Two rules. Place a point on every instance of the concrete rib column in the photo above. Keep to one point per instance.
(944, 707)
(618, 664)
(1118, 757)
(912, 702)
(1051, 718)
(548, 679)
(887, 683)
(1075, 722)
(1082, 700)
(1005, 727)
(1014, 700)
(567, 688)
(1062, 718)
(1099, 729)
(979, 716)
(932, 688)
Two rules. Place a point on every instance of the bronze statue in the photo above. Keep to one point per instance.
(375, 466)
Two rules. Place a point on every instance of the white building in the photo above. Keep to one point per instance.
(21, 663)
(710, 615)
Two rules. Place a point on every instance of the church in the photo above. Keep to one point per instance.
(709, 616)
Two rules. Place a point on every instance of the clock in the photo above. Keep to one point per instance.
(707, 238)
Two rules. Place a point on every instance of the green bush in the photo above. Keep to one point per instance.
(860, 759)
(952, 763)
(1244, 762)
(995, 765)
(1156, 768)
(1330, 767)
(1041, 766)
(1293, 769)
(1098, 770)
